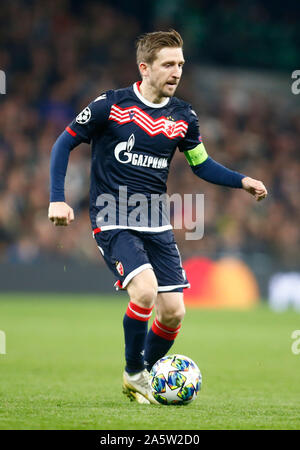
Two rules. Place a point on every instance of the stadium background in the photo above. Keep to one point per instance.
(61, 346)
(58, 55)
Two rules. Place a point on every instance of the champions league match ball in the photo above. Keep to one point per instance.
(175, 380)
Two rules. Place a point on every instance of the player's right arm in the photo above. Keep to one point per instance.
(92, 119)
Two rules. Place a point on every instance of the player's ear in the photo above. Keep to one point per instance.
(143, 68)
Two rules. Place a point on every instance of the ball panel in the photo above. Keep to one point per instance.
(159, 383)
(176, 379)
(181, 364)
(186, 393)
(198, 385)
(160, 398)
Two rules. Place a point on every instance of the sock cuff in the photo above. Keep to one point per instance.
(137, 312)
(164, 331)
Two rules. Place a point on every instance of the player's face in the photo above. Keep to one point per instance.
(165, 72)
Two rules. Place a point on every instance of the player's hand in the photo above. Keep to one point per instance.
(60, 213)
(255, 188)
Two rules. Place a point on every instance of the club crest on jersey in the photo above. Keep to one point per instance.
(84, 116)
(169, 127)
(119, 267)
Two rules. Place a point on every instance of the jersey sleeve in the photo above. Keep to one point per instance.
(192, 137)
(91, 120)
(201, 164)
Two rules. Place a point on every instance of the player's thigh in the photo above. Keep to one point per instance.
(169, 308)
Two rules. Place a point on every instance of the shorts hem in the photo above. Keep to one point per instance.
(158, 229)
(134, 273)
(173, 287)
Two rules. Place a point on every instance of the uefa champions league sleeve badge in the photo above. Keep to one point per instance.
(84, 116)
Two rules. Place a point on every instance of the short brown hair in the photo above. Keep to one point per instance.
(148, 44)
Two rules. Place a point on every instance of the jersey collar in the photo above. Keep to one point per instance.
(136, 89)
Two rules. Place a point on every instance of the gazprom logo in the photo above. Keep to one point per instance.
(122, 150)
(2, 82)
(124, 155)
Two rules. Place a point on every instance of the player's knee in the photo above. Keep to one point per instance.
(172, 317)
(148, 295)
(144, 296)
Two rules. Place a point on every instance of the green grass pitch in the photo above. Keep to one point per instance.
(64, 361)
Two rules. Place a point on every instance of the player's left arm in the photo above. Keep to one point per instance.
(210, 170)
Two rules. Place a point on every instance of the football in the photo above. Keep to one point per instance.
(175, 380)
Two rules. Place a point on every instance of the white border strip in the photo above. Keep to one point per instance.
(135, 272)
(144, 316)
(166, 331)
(101, 250)
(146, 102)
(128, 227)
(171, 288)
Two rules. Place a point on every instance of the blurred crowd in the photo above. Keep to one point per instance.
(58, 56)
(244, 33)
